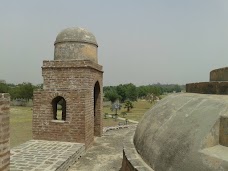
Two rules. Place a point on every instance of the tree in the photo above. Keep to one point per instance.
(21, 91)
(131, 92)
(112, 95)
(123, 114)
(142, 91)
(115, 107)
(121, 90)
(150, 98)
(4, 88)
(128, 104)
(127, 91)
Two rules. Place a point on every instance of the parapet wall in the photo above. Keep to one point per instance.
(220, 74)
(218, 83)
(208, 88)
(132, 161)
(4, 132)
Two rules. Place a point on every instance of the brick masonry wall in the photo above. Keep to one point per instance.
(71, 74)
(4, 132)
(208, 88)
(220, 74)
(74, 81)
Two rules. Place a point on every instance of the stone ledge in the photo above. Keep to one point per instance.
(132, 161)
(59, 121)
(72, 64)
(218, 152)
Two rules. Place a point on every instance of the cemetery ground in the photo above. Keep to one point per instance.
(21, 120)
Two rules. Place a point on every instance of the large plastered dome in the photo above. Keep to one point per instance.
(185, 132)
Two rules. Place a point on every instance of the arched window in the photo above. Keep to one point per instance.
(59, 108)
(97, 108)
(96, 93)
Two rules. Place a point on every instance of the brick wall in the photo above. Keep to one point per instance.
(4, 132)
(74, 81)
(220, 74)
(208, 88)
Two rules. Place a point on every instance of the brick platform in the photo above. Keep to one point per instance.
(41, 155)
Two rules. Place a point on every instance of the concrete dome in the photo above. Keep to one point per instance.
(76, 34)
(75, 44)
(185, 132)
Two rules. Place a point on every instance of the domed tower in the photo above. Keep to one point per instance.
(76, 44)
(70, 105)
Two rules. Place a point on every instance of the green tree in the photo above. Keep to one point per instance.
(142, 91)
(14, 92)
(4, 88)
(121, 90)
(127, 91)
(131, 92)
(123, 114)
(111, 95)
(25, 91)
(129, 105)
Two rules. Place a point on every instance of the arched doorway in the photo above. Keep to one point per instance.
(59, 108)
(97, 109)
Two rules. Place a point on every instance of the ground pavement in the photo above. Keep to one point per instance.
(106, 154)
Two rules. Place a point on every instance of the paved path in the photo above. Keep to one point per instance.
(129, 120)
(106, 153)
(40, 155)
(124, 119)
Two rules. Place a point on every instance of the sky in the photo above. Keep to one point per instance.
(140, 42)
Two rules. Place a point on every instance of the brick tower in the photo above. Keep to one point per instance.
(69, 106)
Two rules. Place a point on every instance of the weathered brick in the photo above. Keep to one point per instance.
(4, 132)
(76, 81)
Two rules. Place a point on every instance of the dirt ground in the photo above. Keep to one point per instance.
(105, 155)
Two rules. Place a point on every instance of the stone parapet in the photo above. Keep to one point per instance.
(131, 159)
(4, 132)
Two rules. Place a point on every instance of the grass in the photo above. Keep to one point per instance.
(21, 120)
(140, 107)
(20, 125)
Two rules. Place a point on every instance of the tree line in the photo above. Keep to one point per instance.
(122, 92)
(131, 92)
(19, 91)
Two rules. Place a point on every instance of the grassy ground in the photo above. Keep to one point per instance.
(140, 107)
(20, 125)
(21, 120)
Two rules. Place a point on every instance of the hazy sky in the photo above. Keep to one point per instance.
(140, 41)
